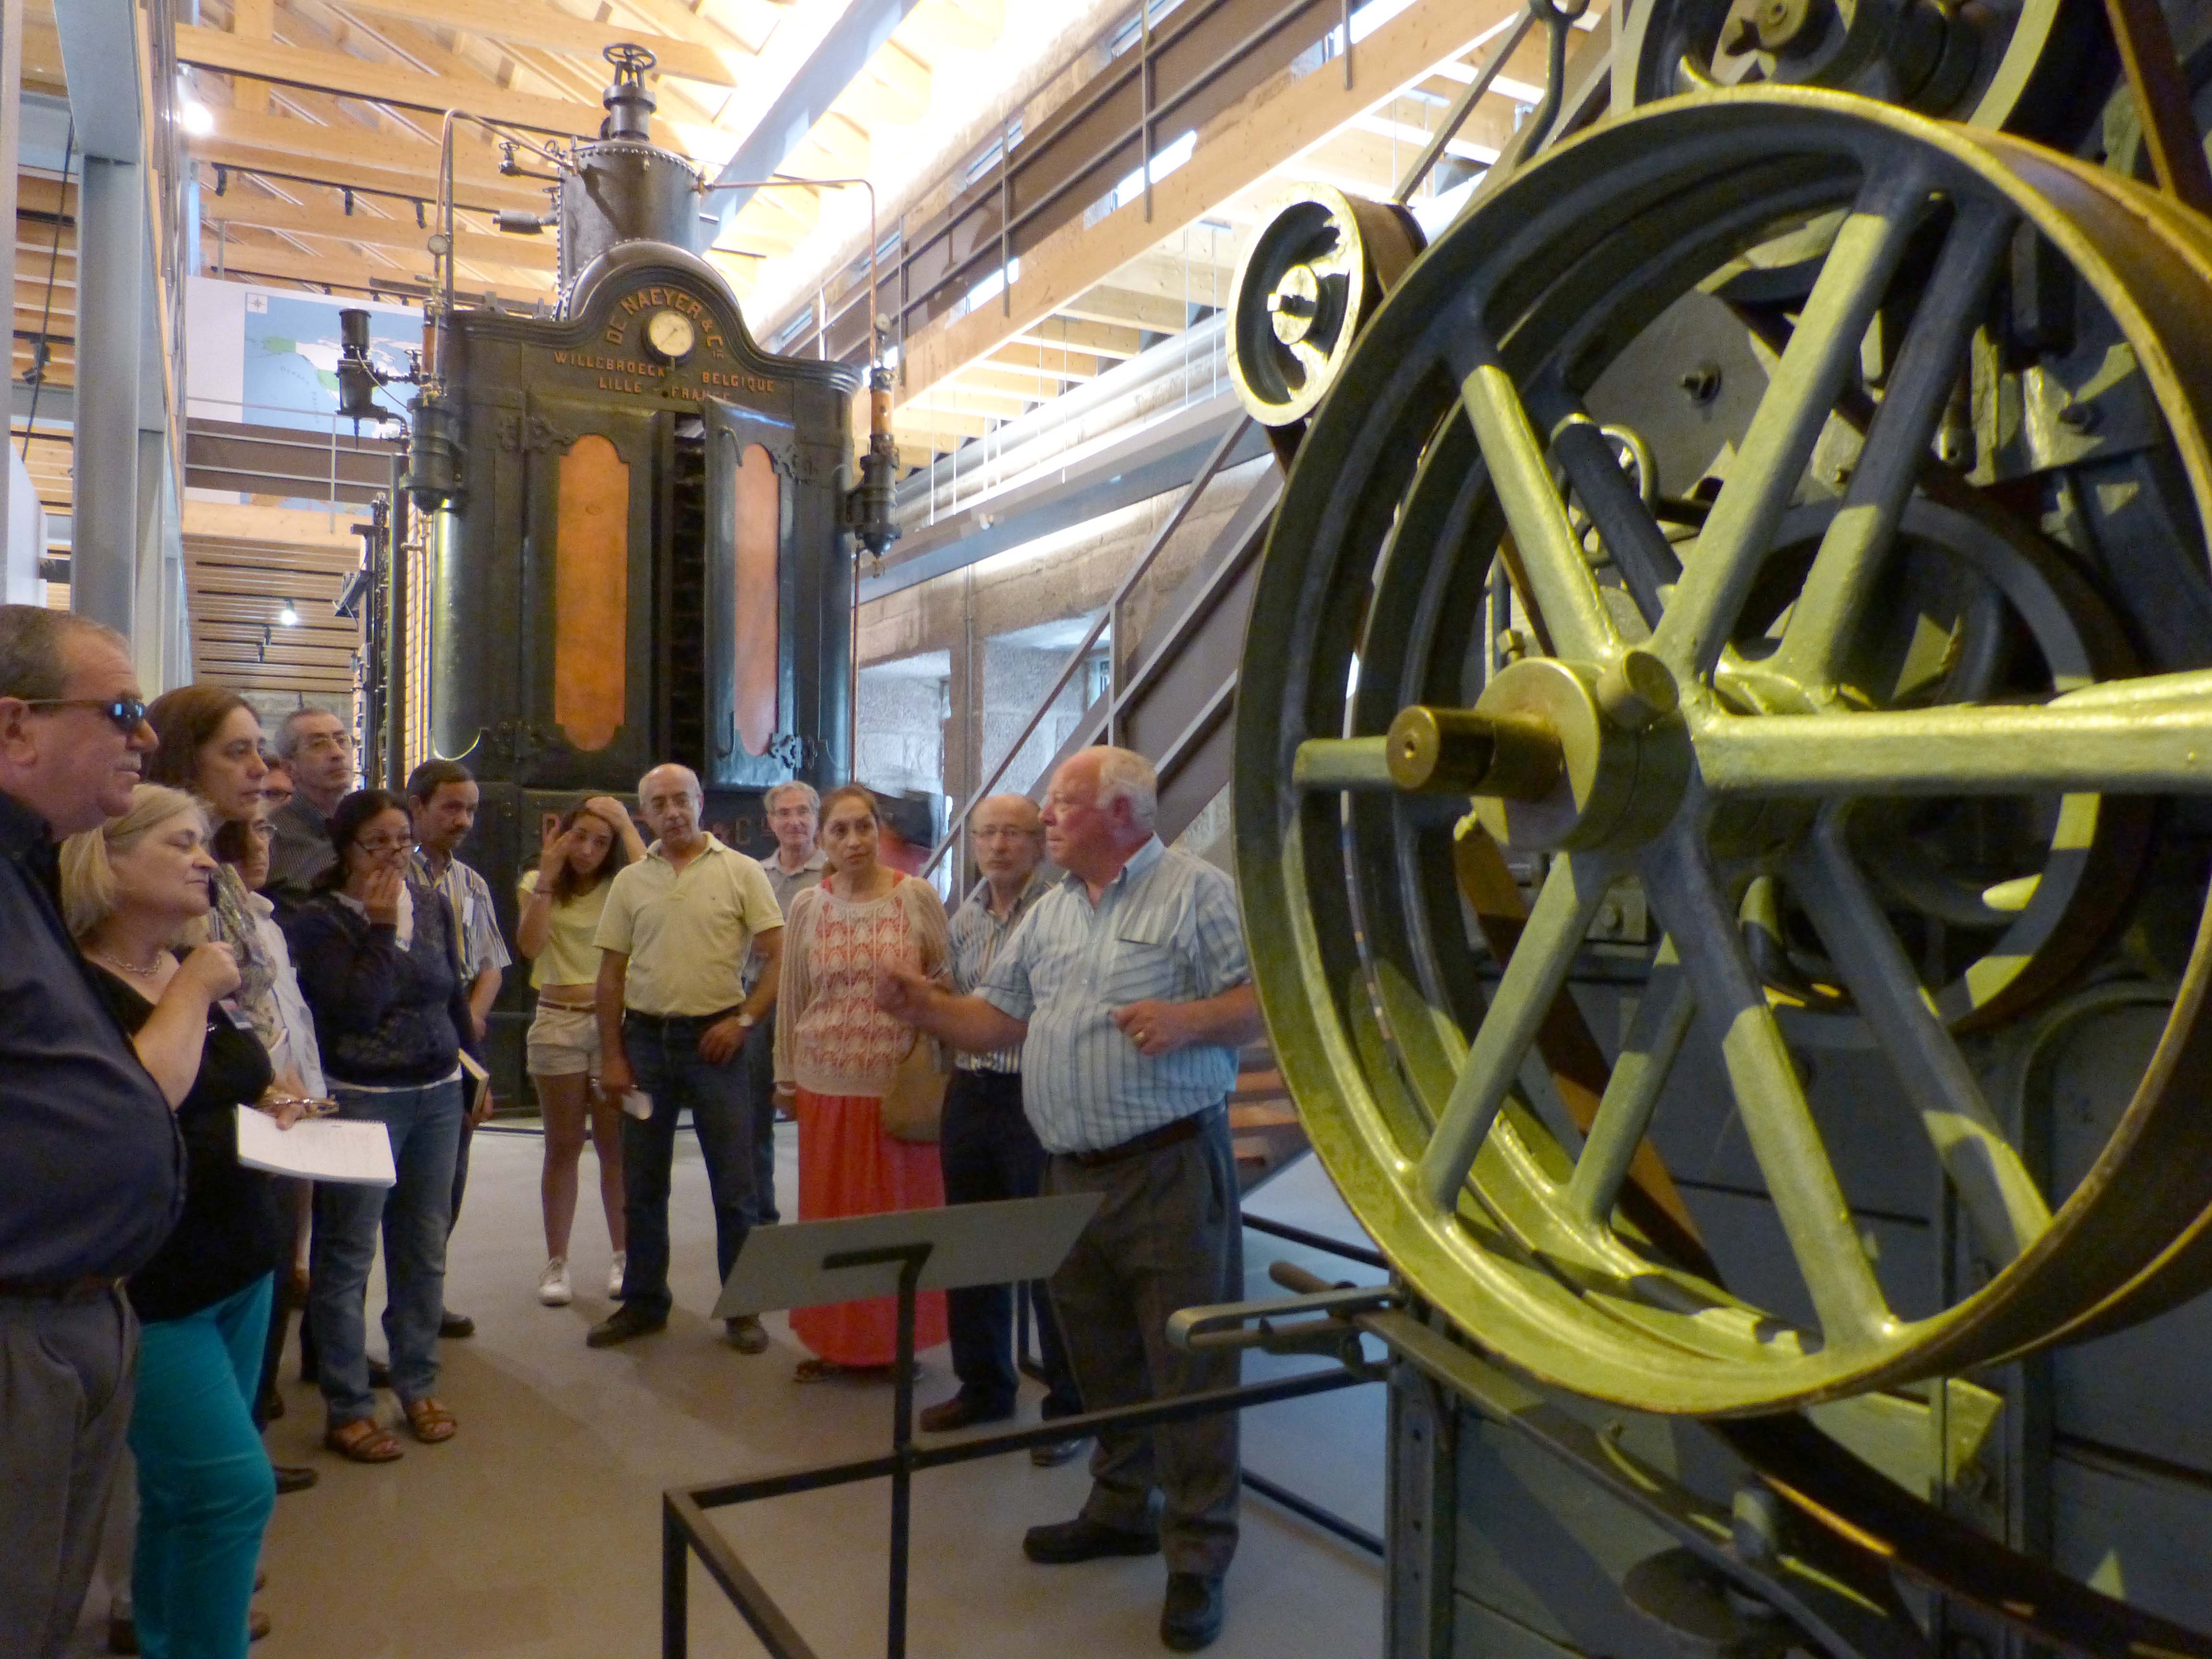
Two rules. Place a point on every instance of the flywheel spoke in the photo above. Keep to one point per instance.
(1824, 348)
(1557, 925)
(1638, 546)
(1639, 1076)
(1825, 616)
(1769, 1096)
(2008, 1211)
(2116, 744)
(1560, 587)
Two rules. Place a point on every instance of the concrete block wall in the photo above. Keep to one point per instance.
(990, 683)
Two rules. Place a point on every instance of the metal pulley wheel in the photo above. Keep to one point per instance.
(1999, 900)
(1303, 291)
(1661, 729)
(2015, 64)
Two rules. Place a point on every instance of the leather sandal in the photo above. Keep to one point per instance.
(364, 1440)
(429, 1421)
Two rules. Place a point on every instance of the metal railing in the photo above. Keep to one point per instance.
(1082, 150)
(686, 1529)
(955, 831)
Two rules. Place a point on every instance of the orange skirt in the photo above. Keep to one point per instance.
(849, 1166)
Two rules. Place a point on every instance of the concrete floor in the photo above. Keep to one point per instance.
(536, 1530)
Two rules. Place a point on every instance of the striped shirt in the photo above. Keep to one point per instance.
(1164, 929)
(977, 936)
(478, 923)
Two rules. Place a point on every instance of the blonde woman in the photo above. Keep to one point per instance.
(134, 891)
(835, 1054)
(562, 899)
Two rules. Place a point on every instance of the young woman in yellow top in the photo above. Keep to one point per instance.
(561, 900)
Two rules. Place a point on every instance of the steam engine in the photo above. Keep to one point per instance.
(637, 524)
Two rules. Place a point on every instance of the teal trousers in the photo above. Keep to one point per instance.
(204, 1486)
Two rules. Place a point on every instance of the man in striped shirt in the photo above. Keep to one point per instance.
(1128, 989)
(987, 1147)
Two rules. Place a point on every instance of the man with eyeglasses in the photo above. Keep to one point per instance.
(794, 812)
(93, 1167)
(316, 748)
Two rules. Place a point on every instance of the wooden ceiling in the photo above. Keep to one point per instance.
(317, 166)
(323, 121)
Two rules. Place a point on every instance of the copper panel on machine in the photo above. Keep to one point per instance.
(591, 593)
(756, 509)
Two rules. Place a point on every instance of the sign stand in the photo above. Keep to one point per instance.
(809, 1263)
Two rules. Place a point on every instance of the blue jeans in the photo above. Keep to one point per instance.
(204, 1488)
(760, 1085)
(664, 1057)
(415, 1215)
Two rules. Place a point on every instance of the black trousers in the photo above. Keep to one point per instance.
(989, 1152)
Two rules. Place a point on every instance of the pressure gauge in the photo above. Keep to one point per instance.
(670, 336)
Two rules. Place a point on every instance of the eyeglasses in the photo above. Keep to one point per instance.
(128, 713)
(383, 845)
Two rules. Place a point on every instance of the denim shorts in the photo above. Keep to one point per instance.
(564, 1042)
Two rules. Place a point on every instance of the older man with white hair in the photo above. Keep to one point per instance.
(1128, 993)
(673, 1018)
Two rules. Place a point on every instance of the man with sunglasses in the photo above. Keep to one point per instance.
(94, 1168)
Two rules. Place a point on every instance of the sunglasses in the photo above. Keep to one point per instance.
(128, 713)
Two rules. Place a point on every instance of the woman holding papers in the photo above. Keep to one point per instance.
(379, 962)
(133, 891)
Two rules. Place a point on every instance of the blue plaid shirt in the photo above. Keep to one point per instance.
(1165, 929)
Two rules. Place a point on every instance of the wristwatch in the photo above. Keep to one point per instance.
(747, 1021)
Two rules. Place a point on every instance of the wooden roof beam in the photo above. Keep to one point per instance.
(245, 262)
(1102, 302)
(369, 230)
(533, 23)
(348, 77)
(1100, 339)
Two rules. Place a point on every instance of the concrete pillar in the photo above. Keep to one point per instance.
(106, 533)
(11, 147)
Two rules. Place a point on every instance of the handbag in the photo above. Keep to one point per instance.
(913, 1105)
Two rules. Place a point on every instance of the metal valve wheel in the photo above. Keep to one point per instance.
(1388, 770)
(2016, 64)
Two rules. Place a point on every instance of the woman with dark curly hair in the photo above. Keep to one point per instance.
(379, 960)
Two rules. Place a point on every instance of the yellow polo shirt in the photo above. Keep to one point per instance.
(687, 934)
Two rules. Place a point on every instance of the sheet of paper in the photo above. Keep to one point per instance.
(317, 1149)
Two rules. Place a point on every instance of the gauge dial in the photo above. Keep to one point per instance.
(670, 336)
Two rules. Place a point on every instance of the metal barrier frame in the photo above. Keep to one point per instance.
(685, 1528)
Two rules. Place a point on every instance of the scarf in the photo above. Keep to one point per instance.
(232, 924)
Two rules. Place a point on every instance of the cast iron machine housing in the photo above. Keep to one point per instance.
(642, 549)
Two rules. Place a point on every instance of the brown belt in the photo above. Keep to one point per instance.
(1168, 1134)
(85, 1289)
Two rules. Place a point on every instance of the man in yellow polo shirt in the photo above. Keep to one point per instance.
(674, 1016)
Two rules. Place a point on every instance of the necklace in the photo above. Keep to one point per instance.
(118, 963)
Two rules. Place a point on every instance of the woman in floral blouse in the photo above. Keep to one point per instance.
(836, 1053)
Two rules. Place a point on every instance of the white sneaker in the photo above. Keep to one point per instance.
(553, 1284)
(615, 1273)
